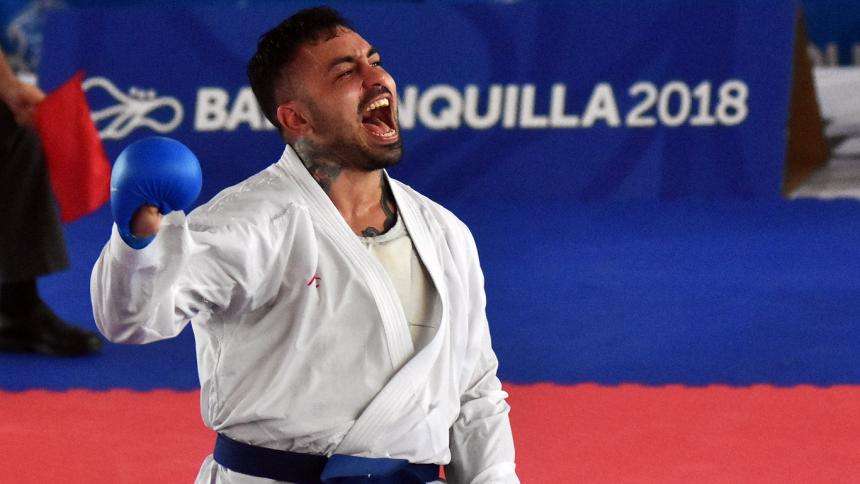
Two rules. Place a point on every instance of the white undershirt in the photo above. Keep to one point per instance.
(394, 250)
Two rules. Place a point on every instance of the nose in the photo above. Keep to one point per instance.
(373, 76)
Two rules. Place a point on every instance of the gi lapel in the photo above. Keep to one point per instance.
(412, 373)
(398, 393)
(395, 326)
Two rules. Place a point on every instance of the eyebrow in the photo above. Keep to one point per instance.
(350, 59)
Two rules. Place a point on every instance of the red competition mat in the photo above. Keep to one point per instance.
(581, 433)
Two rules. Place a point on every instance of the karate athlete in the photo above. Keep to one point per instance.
(339, 315)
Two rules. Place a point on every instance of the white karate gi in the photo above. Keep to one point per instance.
(418, 297)
(302, 343)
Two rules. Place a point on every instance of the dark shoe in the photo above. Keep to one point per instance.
(42, 331)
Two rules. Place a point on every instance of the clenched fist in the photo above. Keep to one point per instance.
(146, 221)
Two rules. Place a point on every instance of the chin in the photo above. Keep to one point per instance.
(383, 157)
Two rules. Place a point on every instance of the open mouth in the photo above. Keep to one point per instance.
(378, 120)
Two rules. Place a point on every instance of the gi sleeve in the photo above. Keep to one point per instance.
(482, 446)
(187, 272)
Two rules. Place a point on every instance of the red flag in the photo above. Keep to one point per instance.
(77, 163)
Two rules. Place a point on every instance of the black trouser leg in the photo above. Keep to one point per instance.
(18, 298)
(31, 238)
(31, 244)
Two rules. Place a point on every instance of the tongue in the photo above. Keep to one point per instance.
(375, 126)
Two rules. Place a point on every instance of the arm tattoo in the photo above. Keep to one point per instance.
(388, 207)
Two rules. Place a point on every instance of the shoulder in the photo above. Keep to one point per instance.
(266, 196)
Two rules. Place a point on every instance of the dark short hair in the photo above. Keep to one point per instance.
(278, 47)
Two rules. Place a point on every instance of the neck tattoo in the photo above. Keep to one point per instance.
(389, 208)
(324, 172)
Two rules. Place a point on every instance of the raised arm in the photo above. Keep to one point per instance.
(189, 272)
(140, 295)
(155, 275)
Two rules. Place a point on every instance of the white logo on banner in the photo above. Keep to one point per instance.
(216, 112)
(513, 106)
(643, 104)
(510, 106)
(132, 111)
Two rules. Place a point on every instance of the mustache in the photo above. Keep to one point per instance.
(374, 92)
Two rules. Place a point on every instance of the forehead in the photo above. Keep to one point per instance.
(319, 55)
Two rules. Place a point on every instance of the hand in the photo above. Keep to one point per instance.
(22, 99)
(146, 221)
(151, 175)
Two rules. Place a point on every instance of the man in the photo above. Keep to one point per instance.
(31, 241)
(336, 311)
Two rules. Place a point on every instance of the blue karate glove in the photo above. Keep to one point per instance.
(155, 171)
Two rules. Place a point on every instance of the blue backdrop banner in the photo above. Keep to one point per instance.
(597, 101)
(619, 164)
(834, 30)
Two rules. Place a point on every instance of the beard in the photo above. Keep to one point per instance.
(347, 149)
(352, 154)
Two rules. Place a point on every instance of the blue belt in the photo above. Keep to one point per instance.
(281, 465)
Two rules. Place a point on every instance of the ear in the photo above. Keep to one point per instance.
(294, 120)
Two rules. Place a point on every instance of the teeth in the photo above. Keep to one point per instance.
(388, 134)
(378, 104)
